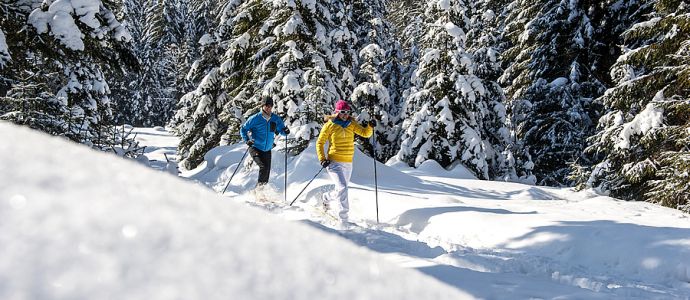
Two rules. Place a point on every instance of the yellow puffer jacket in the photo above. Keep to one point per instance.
(341, 140)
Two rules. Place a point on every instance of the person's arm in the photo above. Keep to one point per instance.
(324, 135)
(360, 130)
(282, 129)
(244, 129)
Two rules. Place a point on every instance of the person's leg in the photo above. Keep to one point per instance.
(345, 199)
(340, 173)
(264, 162)
(329, 196)
(265, 167)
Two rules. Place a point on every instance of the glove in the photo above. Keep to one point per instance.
(325, 163)
(372, 123)
(286, 130)
(250, 143)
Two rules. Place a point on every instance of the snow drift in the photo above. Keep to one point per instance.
(77, 224)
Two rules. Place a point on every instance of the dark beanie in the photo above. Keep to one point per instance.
(267, 101)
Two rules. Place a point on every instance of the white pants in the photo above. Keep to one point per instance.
(340, 173)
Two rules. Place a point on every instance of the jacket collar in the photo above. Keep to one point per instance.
(342, 123)
(263, 115)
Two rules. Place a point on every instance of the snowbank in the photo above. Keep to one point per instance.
(78, 224)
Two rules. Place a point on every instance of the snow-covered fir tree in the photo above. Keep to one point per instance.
(641, 146)
(205, 51)
(340, 47)
(379, 87)
(447, 107)
(407, 19)
(157, 83)
(483, 42)
(395, 77)
(60, 51)
(402, 12)
(146, 96)
(297, 52)
(124, 95)
(197, 120)
(203, 18)
(373, 100)
(184, 49)
(550, 85)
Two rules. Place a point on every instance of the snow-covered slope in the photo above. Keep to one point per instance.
(78, 224)
(493, 239)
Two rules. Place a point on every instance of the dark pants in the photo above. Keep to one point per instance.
(263, 160)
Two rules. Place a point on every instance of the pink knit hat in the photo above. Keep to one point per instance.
(341, 105)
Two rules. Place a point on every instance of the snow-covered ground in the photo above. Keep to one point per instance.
(491, 240)
(81, 224)
(494, 240)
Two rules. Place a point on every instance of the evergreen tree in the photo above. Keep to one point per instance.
(373, 100)
(407, 27)
(205, 57)
(378, 94)
(146, 96)
(340, 47)
(55, 81)
(483, 42)
(640, 151)
(410, 32)
(301, 39)
(407, 16)
(183, 49)
(403, 13)
(125, 93)
(446, 109)
(550, 85)
(156, 82)
(396, 79)
(199, 118)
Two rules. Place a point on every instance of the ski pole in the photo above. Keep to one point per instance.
(286, 153)
(373, 152)
(376, 181)
(237, 168)
(305, 187)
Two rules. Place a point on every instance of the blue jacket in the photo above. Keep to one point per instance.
(262, 132)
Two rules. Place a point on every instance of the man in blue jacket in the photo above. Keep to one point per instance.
(258, 132)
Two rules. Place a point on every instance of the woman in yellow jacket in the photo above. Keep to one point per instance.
(339, 131)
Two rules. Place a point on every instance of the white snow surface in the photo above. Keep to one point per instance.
(69, 215)
(493, 240)
(79, 224)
